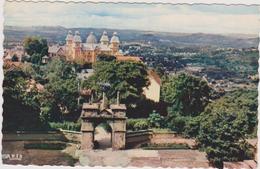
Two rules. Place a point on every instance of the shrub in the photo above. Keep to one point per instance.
(156, 120)
(137, 124)
(177, 123)
(192, 127)
(66, 125)
(222, 135)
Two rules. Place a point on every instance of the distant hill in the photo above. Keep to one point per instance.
(57, 35)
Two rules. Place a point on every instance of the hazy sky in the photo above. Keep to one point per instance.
(155, 17)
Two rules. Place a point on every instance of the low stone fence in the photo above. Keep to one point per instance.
(61, 135)
(34, 136)
(135, 139)
(171, 138)
(72, 136)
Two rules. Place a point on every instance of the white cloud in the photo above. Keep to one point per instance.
(157, 17)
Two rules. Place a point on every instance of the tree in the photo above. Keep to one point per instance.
(186, 94)
(36, 59)
(222, 136)
(156, 120)
(21, 106)
(225, 124)
(61, 90)
(104, 57)
(36, 47)
(127, 77)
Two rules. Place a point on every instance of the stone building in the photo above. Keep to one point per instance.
(88, 51)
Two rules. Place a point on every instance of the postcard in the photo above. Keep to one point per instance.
(130, 84)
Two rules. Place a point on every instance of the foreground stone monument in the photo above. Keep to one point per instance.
(95, 113)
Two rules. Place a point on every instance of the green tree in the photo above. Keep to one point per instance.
(104, 57)
(36, 59)
(156, 120)
(36, 47)
(186, 94)
(222, 136)
(225, 124)
(61, 90)
(127, 77)
(21, 103)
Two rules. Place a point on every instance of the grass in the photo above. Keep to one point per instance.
(166, 146)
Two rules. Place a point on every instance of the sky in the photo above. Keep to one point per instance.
(219, 19)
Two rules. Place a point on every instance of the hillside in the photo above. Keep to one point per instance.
(57, 35)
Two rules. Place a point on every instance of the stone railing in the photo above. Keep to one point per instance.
(135, 139)
(61, 135)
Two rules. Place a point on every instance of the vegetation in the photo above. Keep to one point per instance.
(127, 77)
(155, 120)
(56, 100)
(222, 136)
(61, 91)
(21, 103)
(187, 95)
(221, 130)
(66, 125)
(35, 45)
(137, 124)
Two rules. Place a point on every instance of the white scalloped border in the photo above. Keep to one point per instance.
(224, 2)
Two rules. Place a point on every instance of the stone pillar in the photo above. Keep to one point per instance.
(87, 129)
(118, 134)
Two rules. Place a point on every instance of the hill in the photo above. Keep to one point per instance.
(57, 34)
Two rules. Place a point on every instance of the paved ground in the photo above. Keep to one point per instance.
(36, 156)
(103, 138)
(141, 158)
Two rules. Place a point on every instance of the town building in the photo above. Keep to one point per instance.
(87, 51)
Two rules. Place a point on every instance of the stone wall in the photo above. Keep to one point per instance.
(33, 136)
(135, 139)
(171, 137)
(62, 135)
(72, 136)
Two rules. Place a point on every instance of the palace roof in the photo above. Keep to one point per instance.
(91, 38)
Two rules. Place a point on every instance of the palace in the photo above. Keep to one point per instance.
(87, 52)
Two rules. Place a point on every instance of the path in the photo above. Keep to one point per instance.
(103, 138)
(141, 158)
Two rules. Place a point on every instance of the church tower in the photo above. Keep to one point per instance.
(76, 45)
(114, 43)
(104, 39)
(68, 46)
(69, 39)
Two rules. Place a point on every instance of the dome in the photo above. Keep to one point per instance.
(91, 38)
(77, 37)
(114, 38)
(69, 36)
(104, 37)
